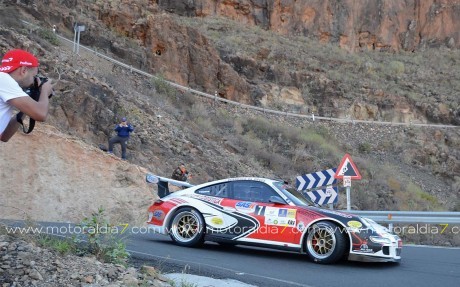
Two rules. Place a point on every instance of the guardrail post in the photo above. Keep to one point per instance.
(313, 116)
(215, 96)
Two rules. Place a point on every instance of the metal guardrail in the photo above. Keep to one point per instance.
(392, 217)
(264, 110)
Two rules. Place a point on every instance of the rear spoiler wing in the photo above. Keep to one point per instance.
(163, 183)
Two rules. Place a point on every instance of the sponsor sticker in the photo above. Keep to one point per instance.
(271, 211)
(281, 221)
(337, 213)
(207, 198)
(158, 214)
(217, 221)
(283, 212)
(301, 226)
(291, 213)
(354, 224)
(245, 206)
(365, 249)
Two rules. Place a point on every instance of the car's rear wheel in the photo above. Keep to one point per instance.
(325, 243)
(187, 227)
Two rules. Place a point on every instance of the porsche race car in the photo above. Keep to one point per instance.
(268, 213)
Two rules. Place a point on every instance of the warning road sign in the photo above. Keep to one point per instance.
(347, 168)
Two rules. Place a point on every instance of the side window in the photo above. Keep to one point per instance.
(252, 191)
(219, 190)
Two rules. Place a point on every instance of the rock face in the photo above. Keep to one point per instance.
(157, 43)
(23, 263)
(373, 25)
(175, 52)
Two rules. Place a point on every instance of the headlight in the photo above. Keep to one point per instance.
(366, 221)
(374, 225)
(381, 240)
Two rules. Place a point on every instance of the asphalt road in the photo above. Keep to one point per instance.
(420, 266)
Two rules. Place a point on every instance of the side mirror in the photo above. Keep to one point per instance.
(276, 200)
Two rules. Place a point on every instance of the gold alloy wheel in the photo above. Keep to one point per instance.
(186, 226)
(321, 242)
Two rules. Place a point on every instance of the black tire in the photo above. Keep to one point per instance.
(187, 227)
(325, 243)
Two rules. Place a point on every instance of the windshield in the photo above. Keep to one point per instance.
(291, 193)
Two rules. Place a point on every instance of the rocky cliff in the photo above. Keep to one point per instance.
(288, 73)
(352, 24)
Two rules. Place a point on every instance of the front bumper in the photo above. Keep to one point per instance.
(387, 254)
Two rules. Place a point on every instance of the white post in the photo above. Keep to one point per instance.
(75, 39)
(348, 199)
(347, 184)
(78, 41)
(313, 116)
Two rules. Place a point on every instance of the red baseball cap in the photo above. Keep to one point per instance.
(17, 58)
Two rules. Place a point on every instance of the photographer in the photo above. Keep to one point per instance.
(17, 72)
(123, 129)
(180, 173)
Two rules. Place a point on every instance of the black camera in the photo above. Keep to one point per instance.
(33, 92)
(35, 89)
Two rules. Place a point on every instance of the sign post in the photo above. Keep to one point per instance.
(76, 38)
(347, 185)
(347, 171)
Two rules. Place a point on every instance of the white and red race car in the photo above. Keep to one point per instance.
(268, 213)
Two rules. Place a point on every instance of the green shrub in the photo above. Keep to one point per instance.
(61, 245)
(224, 120)
(49, 36)
(204, 124)
(103, 242)
(163, 87)
(396, 68)
(197, 110)
(365, 148)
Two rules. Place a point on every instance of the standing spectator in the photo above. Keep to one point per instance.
(123, 130)
(17, 72)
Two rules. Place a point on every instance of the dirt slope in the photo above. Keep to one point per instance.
(68, 171)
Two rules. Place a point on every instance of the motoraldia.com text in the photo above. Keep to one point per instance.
(264, 229)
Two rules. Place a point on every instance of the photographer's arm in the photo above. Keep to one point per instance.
(36, 110)
(10, 130)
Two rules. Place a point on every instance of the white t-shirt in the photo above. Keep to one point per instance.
(9, 89)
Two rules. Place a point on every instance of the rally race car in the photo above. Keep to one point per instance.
(268, 213)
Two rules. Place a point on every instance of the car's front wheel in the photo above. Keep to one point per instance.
(325, 243)
(187, 227)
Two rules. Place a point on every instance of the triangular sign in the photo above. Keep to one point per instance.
(347, 168)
